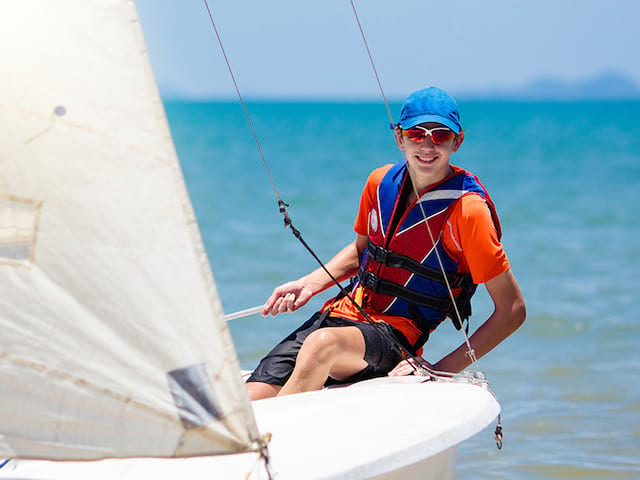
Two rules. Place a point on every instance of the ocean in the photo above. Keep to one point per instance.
(564, 177)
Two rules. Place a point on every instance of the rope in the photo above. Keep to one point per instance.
(282, 206)
(244, 108)
(263, 456)
(417, 366)
(373, 65)
(262, 442)
(477, 377)
(470, 353)
(243, 313)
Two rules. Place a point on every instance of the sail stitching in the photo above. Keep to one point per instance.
(89, 386)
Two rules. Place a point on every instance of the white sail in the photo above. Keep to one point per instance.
(112, 339)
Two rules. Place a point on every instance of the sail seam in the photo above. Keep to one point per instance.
(89, 386)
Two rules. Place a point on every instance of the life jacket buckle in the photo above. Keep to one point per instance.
(380, 255)
(371, 280)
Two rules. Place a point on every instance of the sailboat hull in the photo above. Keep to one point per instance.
(438, 467)
(387, 428)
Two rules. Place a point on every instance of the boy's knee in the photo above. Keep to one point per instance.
(321, 343)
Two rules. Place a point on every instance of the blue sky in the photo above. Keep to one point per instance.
(305, 49)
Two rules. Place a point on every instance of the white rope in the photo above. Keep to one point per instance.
(470, 352)
(476, 377)
(243, 313)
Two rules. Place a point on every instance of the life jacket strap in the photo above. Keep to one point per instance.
(463, 302)
(386, 287)
(391, 259)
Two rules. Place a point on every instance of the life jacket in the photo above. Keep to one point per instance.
(400, 271)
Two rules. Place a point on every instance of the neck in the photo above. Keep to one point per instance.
(421, 183)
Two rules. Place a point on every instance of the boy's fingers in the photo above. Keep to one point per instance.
(288, 302)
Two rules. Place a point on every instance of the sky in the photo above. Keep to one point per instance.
(289, 49)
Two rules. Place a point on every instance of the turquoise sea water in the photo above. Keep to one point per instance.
(564, 177)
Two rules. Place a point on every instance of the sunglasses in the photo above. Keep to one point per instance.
(419, 134)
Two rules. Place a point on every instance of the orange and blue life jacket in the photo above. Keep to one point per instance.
(400, 271)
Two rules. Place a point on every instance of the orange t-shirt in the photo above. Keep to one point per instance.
(469, 236)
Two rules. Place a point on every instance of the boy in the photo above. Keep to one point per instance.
(399, 258)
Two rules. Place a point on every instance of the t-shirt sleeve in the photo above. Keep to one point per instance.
(361, 225)
(470, 235)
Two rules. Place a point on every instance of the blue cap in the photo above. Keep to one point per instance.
(430, 105)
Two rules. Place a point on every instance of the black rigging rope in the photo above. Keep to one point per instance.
(498, 431)
(282, 207)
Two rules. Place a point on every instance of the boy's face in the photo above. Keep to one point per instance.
(428, 161)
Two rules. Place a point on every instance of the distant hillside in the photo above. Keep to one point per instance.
(606, 86)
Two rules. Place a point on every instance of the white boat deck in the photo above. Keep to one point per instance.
(393, 427)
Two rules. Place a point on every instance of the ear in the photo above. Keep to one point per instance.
(399, 138)
(458, 141)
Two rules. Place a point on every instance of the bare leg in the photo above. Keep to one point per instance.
(260, 390)
(333, 351)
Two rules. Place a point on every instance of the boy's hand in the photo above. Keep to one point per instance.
(407, 367)
(287, 298)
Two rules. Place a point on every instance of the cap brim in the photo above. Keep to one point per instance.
(429, 118)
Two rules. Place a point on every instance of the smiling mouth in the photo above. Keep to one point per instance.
(425, 159)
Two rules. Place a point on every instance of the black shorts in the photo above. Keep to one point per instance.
(380, 352)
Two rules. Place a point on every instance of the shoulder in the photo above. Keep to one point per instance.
(378, 174)
(470, 209)
(472, 237)
(472, 206)
(374, 180)
(471, 222)
(367, 199)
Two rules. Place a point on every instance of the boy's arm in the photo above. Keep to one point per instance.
(293, 295)
(508, 315)
(488, 264)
